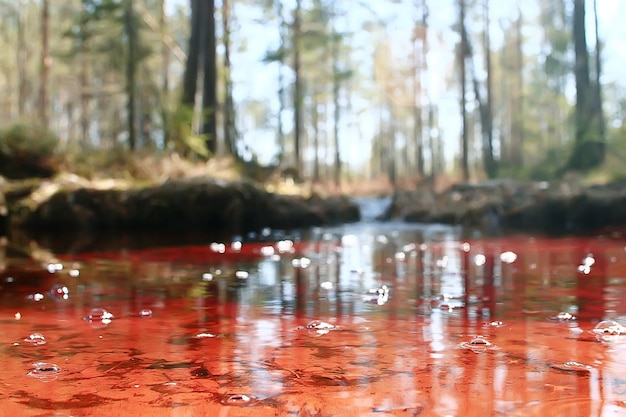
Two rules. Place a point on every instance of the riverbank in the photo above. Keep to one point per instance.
(504, 206)
(70, 204)
(73, 204)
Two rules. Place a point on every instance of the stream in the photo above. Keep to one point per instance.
(364, 319)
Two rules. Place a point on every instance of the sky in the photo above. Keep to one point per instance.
(255, 80)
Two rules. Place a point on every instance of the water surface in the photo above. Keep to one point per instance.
(368, 319)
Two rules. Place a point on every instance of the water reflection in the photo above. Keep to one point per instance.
(357, 320)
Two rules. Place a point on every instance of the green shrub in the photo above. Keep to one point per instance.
(26, 151)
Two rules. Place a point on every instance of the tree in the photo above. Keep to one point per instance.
(589, 146)
(230, 130)
(420, 52)
(200, 77)
(337, 76)
(165, 72)
(462, 55)
(130, 30)
(489, 160)
(297, 90)
(45, 63)
(598, 72)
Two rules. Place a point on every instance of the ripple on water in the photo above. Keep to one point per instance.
(563, 317)
(608, 330)
(573, 367)
(318, 327)
(35, 339)
(241, 400)
(59, 292)
(570, 407)
(479, 344)
(494, 324)
(445, 302)
(45, 371)
(99, 317)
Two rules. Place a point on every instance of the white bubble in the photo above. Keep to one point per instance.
(99, 317)
(267, 251)
(35, 339)
(382, 239)
(242, 274)
(285, 246)
(480, 259)
(54, 267)
(36, 296)
(44, 371)
(205, 335)
(589, 260)
(319, 328)
(301, 262)
(60, 292)
(327, 285)
(218, 247)
(508, 257)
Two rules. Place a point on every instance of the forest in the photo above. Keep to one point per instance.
(398, 92)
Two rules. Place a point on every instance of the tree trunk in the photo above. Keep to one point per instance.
(201, 69)
(190, 77)
(420, 51)
(165, 74)
(589, 149)
(489, 160)
(336, 105)
(209, 93)
(22, 51)
(281, 82)
(464, 127)
(45, 63)
(598, 85)
(517, 97)
(131, 72)
(230, 130)
(581, 72)
(85, 97)
(316, 137)
(297, 91)
(433, 143)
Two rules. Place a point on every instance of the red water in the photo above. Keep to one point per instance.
(351, 322)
